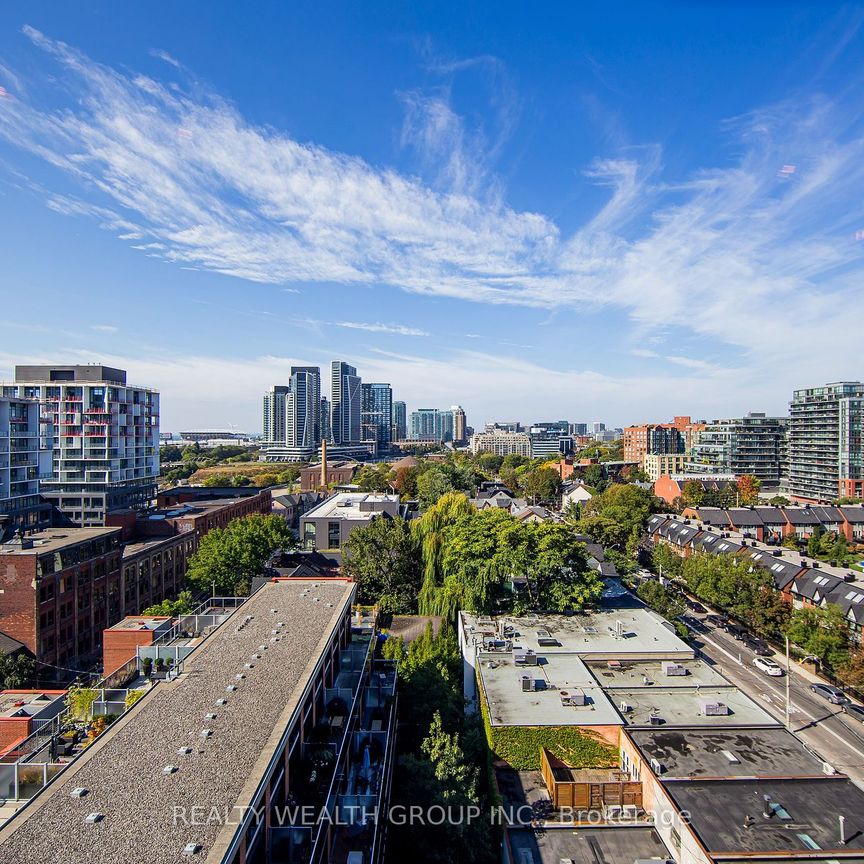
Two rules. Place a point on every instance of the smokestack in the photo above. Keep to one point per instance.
(323, 463)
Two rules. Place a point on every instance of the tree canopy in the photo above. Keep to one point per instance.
(230, 557)
(383, 558)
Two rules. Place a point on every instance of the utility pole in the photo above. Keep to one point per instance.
(787, 682)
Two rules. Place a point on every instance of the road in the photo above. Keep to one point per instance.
(824, 727)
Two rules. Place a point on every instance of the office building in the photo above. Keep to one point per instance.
(597, 427)
(501, 442)
(400, 421)
(754, 444)
(578, 429)
(377, 415)
(105, 442)
(327, 526)
(23, 461)
(274, 415)
(460, 425)
(825, 440)
(302, 408)
(551, 439)
(345, 403)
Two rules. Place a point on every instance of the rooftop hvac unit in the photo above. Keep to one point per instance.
(655, 719)
(671, 668)
(578, 698)
(528, 658)
(625, 707)
(529, 685)
(657, 767)
(712, 708)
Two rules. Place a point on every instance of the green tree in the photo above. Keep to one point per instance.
(405, 481)
(429, 531)
(230, 557)
(540, 484)
(374, 478)
(262, 481)
(595, 477)
(16, 672)
(661, 599)
(288, 476)
(822, 632)
(383, 558)
(692, 493)
(431, 485)
(172, 608)
(611, 516)
(814, 542)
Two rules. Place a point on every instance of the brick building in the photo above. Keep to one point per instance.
(61, 588)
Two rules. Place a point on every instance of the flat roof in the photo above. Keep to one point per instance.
(806, 820)
(683, 706)
(614, 845)
(124, 768)
(643, 633)
(774, 752)
(141, 622)
(353, 505)
(510, 705)
(633, 673)
(52, 539)
(132, 549)
(26, 702)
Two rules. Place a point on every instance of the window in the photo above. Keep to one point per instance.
(309, 536)
(333, 535)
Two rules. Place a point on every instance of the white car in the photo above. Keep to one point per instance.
(768, 666)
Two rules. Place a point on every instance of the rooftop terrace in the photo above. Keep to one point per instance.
(124, 769)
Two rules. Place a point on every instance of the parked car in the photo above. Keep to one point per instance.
(832, 694)
(716, 620)
(856, 712)
(735, 631)
(757, 646)
(696, 606)
(768, 666)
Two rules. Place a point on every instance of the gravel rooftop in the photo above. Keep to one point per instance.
(124, 770)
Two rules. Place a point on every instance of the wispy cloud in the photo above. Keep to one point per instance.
(396, 329)
(159, 54)
(104, 328)
(769, 268)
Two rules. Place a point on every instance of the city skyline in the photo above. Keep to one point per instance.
(594, 236)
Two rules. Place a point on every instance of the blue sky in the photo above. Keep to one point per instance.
(617, 212)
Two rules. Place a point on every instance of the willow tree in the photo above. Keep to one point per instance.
(429, 531)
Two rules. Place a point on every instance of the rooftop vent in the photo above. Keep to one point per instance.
(240, 676)
(731, 757)
(78, 792)
(93, 818)
(230, 688)
(191, 849)
(169, 769)
(657, 767)
(210, 716)
(184, 751)
(222, 701)
(712, 708)
(205, 733)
